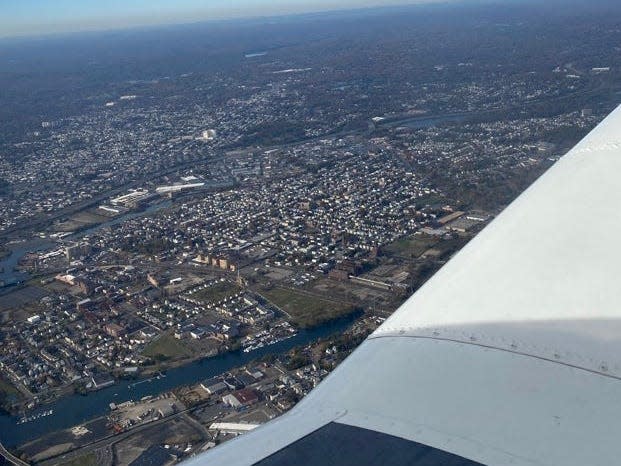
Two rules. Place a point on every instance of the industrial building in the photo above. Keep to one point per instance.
(135, 198)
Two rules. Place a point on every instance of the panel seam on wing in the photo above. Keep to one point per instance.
(403, 334)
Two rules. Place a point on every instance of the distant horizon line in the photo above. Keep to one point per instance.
(251, 17)
(274, 16)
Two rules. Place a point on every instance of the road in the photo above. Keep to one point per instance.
(104, 442)
(11, 458)
(112, 439)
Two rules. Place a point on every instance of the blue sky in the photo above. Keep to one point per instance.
(32, 17)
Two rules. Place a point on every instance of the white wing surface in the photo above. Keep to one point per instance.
(510, 354)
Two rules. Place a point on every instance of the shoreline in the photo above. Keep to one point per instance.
(145, 373)
(149, 371)
(75, 409)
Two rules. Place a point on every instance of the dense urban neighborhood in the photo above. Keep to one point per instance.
(195, 240)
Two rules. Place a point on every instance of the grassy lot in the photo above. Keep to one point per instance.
(307, 311)
(217, 292)
(8, 393)
(448, 247)
(8, 388)
(167, 347)
(25, 299)
(89, 459)
(81, 220)
(431, 199)
(414, 246)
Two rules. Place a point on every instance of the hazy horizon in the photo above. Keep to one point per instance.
(41, 17)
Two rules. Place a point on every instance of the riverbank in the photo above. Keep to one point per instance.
(155, 371)
(75, 409)
(12, 278)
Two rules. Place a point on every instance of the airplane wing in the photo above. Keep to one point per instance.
(509, 355)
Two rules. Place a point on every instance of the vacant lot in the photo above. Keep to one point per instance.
(22, 297)
(80, 221)
(88, 459)
(217, 292)
(167, 347)
(174, 431)
(8, 388)
(305, 309)
(60, 441)
(8, 394)
(411, 247)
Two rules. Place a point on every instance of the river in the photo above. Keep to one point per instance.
(9, 275)
(75, 409)
(122, 218)
(420, 122)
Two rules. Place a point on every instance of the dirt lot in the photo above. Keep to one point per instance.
(24, 298)
(176, 431)
(80, 221)
(63, 440)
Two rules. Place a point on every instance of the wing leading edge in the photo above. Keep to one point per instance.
(510, 354)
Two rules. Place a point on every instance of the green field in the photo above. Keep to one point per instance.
(306, 310)
(166, 347)
(8, 394)
(89, 459)
(8, 388)
(413, 246)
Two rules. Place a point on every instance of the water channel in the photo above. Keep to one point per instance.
(75, 409)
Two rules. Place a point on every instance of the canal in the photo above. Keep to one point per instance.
(75, 409)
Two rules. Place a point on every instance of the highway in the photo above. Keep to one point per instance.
(112, 439)
(11, 458)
